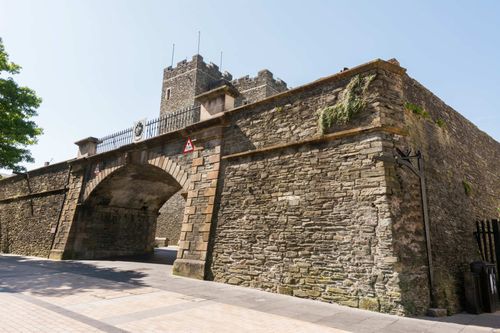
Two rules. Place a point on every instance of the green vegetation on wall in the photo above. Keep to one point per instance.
(420, 111)
(350, 102)
(440, 122)
(417, 109)
(467, 188)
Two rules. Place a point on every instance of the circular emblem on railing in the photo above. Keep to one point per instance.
(139, 130)
(139, 127)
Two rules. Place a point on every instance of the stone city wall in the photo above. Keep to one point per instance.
(28, 218)
(308, 219)
(462, 178)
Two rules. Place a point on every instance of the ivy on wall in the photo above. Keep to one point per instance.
(350, 102)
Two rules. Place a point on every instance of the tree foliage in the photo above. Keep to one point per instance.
(17, 106)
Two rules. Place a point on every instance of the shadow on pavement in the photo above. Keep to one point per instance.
(490, 320)
(161, 255)
(59, 278)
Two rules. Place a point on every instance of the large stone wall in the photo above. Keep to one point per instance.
(291, 117)
(455, 153)
(29, 214)
(304, 215)
(310, 221)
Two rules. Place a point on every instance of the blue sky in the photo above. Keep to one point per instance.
(98, 64)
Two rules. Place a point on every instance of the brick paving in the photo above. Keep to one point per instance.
(38, 295)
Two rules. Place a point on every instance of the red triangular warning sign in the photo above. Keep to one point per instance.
(188, 147)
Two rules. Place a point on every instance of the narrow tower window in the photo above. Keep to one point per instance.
(168, 94)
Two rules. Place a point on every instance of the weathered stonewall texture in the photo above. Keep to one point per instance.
(275, 203)
(168, 223)
(28, 222)
(311, 219)
(455, 151)
(311, 222)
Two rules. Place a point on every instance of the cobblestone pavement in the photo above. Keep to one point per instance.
(38, 295)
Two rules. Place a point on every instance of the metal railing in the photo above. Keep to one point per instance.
(166, 123)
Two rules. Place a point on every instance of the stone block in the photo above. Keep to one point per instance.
(197, 161)
(190, 268)
(300, 293)
(204, 227)
(209, 192)
(184, 244)
(213, 158)
(201, 246)
(187, 227)
(285, 290)
(190, 210)
(209, 209)
(212, 175)
(369, 303)
(235, 281)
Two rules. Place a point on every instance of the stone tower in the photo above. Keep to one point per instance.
(184, 82)
(189, 79)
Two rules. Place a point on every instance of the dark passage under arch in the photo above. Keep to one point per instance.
(119, 216)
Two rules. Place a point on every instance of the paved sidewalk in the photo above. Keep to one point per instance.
(38, 295)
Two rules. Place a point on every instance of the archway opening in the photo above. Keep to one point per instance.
(169, 222)
(119, 217)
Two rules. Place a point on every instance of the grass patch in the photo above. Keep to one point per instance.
(417, 109)
(440, 122)
(467, 188)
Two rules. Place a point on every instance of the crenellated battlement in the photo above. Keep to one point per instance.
(253, 89)
(194, 77)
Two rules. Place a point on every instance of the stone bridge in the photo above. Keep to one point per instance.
(280, 201)
(114, 197)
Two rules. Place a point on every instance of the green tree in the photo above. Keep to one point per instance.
(17, 106)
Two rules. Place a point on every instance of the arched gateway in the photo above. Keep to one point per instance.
(114, 197)
(118, 217)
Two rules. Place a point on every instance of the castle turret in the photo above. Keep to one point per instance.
(189, 79)
(257, 88)
(185, 81)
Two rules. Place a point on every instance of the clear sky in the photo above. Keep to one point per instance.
(98, 64)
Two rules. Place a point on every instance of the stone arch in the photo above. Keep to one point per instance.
(163, 162)
(118, 217)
